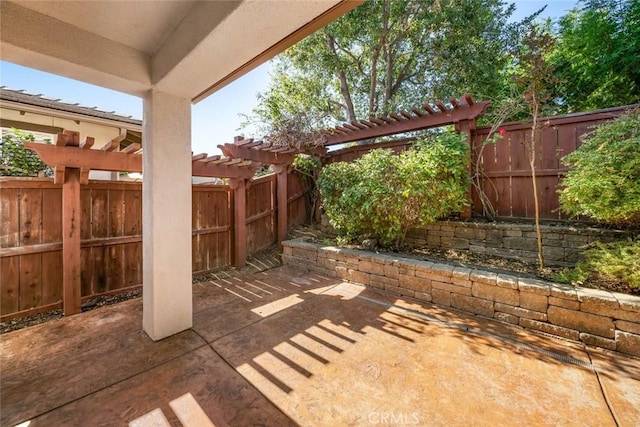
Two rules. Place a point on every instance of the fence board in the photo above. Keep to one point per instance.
(296, 203)
(260, 213)
(133, 264)
(116, 213)
(86, 272)
(98, 270)
(52, 218)
(9, 289)
(111, 234)
(133, 216)
(30, 294)
(115, 267)
(85, 213)
(51, 277)
(10, 217)
(30, 216)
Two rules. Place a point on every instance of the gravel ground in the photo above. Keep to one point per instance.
(264, 260)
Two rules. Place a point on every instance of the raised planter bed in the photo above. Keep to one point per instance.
(598, 318)
(562, 245)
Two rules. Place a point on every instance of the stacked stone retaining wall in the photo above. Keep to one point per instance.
(597, 318)
(561, 245)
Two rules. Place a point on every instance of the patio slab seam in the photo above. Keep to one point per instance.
(604, 393)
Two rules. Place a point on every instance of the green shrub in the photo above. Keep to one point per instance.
(383, 195)
(604, 182)
(15, 160)
(614, 261)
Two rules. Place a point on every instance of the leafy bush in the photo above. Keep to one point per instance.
(605, 180)
(613, 261)
(383, 195)
(15, 160)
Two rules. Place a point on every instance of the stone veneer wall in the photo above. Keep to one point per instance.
(597, 318)
(562, 245)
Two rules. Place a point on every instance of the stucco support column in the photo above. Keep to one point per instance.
(166, 215)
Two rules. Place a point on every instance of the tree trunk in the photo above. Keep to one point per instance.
(342, 77)
(532, 162)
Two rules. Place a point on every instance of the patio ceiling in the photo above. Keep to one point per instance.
(186, 48)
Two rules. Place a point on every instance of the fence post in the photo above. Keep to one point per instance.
(467, 127)
(71, 261)
(239, 187)
(282, 200)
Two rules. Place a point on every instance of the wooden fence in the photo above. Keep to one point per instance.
(505, 165)
(111, 233)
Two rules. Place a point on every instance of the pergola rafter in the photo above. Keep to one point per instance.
(427, 116)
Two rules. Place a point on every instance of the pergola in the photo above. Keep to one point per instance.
(172, 54)
(462, 113)
(72, 161)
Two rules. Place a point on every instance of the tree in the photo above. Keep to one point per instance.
(535, 76)
(15, 160)
(598, 55)
(390, 55)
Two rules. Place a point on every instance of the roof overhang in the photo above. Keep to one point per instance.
(186, 48)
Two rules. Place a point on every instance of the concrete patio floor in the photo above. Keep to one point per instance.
(289, 347)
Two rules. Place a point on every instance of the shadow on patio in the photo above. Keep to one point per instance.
(288, 347)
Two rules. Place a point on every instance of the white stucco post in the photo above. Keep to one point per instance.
(166, 215)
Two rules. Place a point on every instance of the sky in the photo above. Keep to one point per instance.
(216, 119)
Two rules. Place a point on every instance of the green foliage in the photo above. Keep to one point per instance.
(306, 164)
(308, 167)
(382, 195)
(597, 57)
(15, 160)
(604, 182)
(392, 55)
(612, 261)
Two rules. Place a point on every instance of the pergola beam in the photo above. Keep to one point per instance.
(263, 156)
(230, 168)
(76, 157)
(428, 117)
